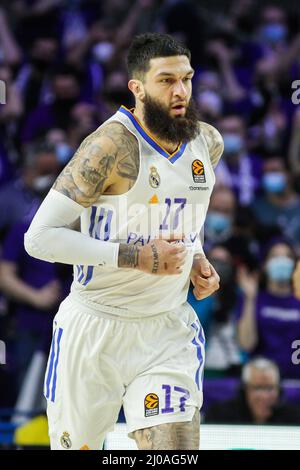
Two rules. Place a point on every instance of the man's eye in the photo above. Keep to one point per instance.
(165, 80)
(186, 79)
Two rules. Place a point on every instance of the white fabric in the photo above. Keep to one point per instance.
(120, 361)
(49, 239)
(123, 219)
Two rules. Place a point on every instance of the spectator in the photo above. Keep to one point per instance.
(34, 17)
(34, 287)
(269, 318)
(232, 226)
(216, 314)
(10, 52)
(279, 206)
(238, 170)
(220, 217)
(259, 400)
(33, 79)
(21, 196)
(208, 96)
(66, 93)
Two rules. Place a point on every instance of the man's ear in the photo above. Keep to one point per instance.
(137, 88)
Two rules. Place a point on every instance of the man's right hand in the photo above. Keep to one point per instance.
(157, 257)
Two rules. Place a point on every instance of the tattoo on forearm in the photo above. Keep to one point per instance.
(128, 256)
(155, 258)
(86, 176)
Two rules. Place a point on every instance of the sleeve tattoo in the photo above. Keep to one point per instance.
(111, 149)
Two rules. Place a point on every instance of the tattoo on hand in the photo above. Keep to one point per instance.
(155, 258)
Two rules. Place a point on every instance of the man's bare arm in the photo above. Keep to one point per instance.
(214, 142)
(107, 162)
(107, 155)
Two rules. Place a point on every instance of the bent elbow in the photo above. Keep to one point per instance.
(33, 244)
(29, 244)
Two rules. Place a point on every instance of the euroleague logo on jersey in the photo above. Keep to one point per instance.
(151, 403)
(198, 171)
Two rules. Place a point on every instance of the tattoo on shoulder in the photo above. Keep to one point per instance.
(214, 142)
(127, 162)
(110, 149)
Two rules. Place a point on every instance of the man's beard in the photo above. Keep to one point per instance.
(171, 129)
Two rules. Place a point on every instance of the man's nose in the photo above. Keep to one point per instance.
(180, 89)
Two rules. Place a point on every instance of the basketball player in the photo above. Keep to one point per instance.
(125, 334)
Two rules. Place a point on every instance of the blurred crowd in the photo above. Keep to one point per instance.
(63, 63)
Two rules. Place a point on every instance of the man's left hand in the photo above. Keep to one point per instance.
(204, 277)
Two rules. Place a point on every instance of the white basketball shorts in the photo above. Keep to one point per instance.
(100, 361)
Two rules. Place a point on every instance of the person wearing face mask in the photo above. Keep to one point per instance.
(21, 196)
(238, 170)
(66, 88)
(279, 206)
(220, 216)
(216, 314)
(271, 35)
(230, 225)
(269, 317)
(273, 29)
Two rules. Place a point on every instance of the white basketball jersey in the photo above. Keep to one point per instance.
(170, 197)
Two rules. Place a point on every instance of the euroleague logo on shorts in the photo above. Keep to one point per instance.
(198, 171)
(151, 403)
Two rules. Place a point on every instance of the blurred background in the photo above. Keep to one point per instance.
(63, 66)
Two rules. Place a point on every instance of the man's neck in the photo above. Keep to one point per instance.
(170, 147)
(280, 289)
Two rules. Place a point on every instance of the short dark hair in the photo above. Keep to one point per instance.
(145, 47)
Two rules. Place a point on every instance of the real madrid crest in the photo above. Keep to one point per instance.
(154, 178)
(65, 440)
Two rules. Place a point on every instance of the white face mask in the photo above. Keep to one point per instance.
(103, 51)
(210, 100)
(43, 183)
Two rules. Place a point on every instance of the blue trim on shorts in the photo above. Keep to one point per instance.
(60, 331)
(199, 352)
(50, 370)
